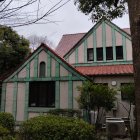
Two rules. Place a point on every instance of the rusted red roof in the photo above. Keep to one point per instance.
(106, 70)
(67, 42)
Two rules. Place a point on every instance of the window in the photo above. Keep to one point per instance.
(126, 87)
(42, 69)
(90, 54)
(119, 52)
(109, 53)
(42, 94)
(99, 54)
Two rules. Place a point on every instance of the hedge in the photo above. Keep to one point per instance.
(7, 121)
(56, 128)
(66, 112)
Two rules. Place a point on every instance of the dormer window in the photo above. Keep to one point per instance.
(42, 69)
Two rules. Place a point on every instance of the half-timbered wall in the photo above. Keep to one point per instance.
(15, 91)
(104, 34)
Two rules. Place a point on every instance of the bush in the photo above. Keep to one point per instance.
(66, 112)
(5, 134)
(56, 128)
(7, 121)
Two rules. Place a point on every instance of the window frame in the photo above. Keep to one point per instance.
(90, 50)
(124, 98)
(118, 56)
(97, 51)
(42, 69)
(108, 53)
(40, 98)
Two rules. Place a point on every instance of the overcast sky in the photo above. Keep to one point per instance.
(70, 21)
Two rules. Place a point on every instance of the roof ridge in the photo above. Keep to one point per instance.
(74, 33)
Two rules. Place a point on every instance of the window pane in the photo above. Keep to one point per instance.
(119, 52)
(42, 94)
(90, 54)
(109, 53)
(42, 69)
(126, 88)
(99, 54)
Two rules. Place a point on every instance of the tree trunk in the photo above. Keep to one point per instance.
(134, 14)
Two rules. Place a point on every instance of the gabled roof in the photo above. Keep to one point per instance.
(126, 69)
(45, 48)
(69, 41)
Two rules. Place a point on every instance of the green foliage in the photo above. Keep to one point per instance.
(13, 49)
(95, 96)
(7, 121)
(66, 112)
(129, 90)
(102, 8)
(56, 128)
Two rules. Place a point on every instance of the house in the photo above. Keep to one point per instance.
(48, 79)
(43, 81)
(104, 54)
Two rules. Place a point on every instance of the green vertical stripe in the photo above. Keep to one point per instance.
(124, 47)
(114, 44)
(15, 99)
(95, 45)
(76, 55)
(57, 69)
(48, 66)
(28, 70)
(104, 40)
(36, 66)
(70, 95)
(3, 98)
(57, 94)
(26, 100)
(85, 51)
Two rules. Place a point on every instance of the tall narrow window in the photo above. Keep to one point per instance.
(109, 53)
(99, 54)
(42, 69)
(90, 54)
(119, 52)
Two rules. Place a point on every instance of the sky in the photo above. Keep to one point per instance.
(70, 21)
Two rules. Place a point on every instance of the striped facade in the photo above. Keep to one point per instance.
(15, 89)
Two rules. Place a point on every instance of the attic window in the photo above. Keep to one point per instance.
(119, 52)
(109, 53)
(99, 54)
(42, 69)
(90, 54)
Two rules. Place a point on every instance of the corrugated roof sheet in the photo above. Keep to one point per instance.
(106, 70)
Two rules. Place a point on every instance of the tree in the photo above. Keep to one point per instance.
(128, 92)
(95, 97)
(17, 13)
(13, 49)
(116, 8)
(35, 41)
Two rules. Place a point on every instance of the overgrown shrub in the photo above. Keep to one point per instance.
(66, 112)
(56, 128)
(7, 121)
(5, 134)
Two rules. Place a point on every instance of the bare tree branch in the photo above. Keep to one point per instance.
(17, 13)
